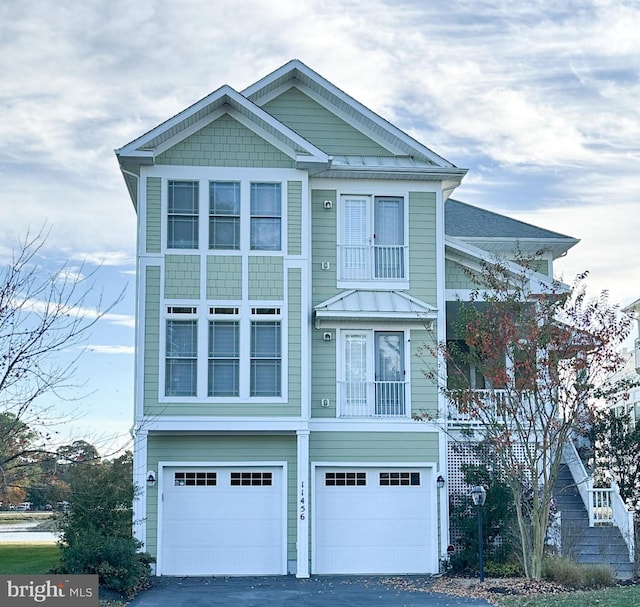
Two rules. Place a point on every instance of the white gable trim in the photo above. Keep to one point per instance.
(243, 107)
(470, 256)
(364, 117)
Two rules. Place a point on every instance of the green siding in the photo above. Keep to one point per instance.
(424, 393)
(215, 448)
(225, 143)
(323, 374)
(321, 127)
(324, 230)
(266, 277)
(182, 277)
(294, 308)
(422, 246)
(294, 217)
(154, 214)
(373, 447)
(456, 277)
(224, 277)
(151, 336)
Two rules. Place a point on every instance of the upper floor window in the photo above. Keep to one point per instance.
(373, 374)
(372, 241)
(266, 216)
(224, 215)
(266, 359)
(182, 220)
(181, 364)
(224, 358)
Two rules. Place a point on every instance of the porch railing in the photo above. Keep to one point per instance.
(371, 262)
(494, 399)
(372, 399)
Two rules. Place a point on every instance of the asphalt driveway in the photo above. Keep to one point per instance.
(324, 591)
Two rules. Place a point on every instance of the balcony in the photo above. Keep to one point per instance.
(637, 354)
(372, 399)
(371, 262)
(493, 398)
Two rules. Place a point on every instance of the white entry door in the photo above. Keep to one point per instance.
(222, 521)
(374, 521)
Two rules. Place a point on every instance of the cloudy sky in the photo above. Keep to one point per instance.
(538, 99)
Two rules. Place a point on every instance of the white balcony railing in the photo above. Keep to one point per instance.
(372, 262)
(637, 354)
(372, 399)
(494, 399)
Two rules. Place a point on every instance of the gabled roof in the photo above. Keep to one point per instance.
(296, 73)
(145, 148)
(469, 255)
(374, 305)
(494, 232)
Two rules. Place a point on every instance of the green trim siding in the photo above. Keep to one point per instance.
(151, 335)
(321, 127)
(224, 277)
(456, 277)
(294, 217)
(266, 278)
(294, 310)
(374, 447)
(225, 143)
(323, 378)
(154, 214)
(325, 245)
(182, 277)
(424, 393)
(216, 448)
(422, 246)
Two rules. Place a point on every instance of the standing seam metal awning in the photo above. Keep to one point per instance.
(373, 305)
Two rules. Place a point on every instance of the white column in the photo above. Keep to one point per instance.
(140, 481)
(302, 569)
(443, 496)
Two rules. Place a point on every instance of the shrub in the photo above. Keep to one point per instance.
(117, 561)
(576, 576)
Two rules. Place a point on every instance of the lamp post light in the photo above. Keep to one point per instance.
(479, 495)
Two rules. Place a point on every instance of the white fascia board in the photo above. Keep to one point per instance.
(385, 172)
(372, 425)
(326, 315)
(300, 71)
(224, 94)
(469, 256)
(171, 423)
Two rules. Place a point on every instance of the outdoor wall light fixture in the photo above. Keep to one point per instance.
(440, 481)
(479, 496)
(151, 479)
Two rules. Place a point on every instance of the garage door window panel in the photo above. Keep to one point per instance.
(251, 479)
(195, 479)
(345, 479)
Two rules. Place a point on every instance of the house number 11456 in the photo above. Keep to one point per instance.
(303, 508)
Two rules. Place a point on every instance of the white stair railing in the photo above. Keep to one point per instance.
(604, 506)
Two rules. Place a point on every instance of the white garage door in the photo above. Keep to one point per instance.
(222, 521)
(374, 520)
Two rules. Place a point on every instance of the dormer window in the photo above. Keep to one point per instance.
(372, 238)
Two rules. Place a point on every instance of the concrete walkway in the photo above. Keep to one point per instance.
(321, 591)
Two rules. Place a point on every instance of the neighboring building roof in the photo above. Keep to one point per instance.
(374, 305)
(492, 231)
(633, 307)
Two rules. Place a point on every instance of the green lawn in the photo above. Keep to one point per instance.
(626, 596)
(29, 558)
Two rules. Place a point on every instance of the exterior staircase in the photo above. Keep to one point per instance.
(600, 544)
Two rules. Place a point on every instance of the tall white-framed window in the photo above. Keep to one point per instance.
(224, 358)
(181, 358)
(224, 215)
(182, 214)
(372, 243)
(266, 358)
(373, 374)
(266, 217)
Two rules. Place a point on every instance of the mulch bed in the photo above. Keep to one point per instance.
(473, 588)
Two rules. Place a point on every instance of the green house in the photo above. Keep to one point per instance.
(295, 253)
